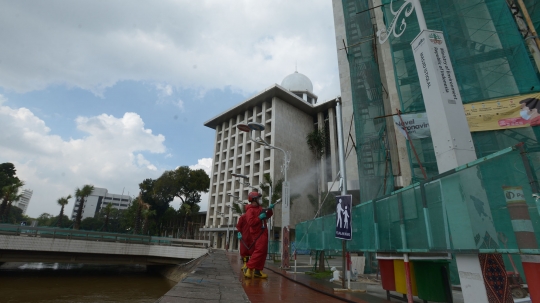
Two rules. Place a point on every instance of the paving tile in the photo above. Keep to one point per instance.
(212, 281)
(167, 299)
(218, 279)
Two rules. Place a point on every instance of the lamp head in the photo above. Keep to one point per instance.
(243, 127)
(255, 126)
(240, 176)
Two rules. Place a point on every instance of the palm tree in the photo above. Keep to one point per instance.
(9, 194)
(186, 209)
(12, 198)
(81, 194)
(147, 213)
(62, 202)
(317, 141)
(138, 214)
(108, 210)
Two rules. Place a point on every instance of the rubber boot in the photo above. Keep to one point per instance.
(248, 273)
(259, 274)
(245, 260)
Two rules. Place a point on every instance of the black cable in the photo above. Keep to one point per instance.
(310, 287)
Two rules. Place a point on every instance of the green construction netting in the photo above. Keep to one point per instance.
(490, 61)
(481, 207)
(374, 167)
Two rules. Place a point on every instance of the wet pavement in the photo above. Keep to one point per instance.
(290, 287)
(213, 281)
(218, 279)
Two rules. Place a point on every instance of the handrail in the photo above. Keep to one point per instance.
(56, 232)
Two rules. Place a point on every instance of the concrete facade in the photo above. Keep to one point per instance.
(351, 162)
(288, 117)
(100, 198)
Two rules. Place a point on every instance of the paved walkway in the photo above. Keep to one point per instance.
(218, 279)
(212, 281)
(289, 287)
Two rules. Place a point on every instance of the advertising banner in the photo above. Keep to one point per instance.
(343, 217)
(510, 112)
(496, 114)
(417, 125)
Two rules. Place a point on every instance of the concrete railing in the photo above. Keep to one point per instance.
(70, 234)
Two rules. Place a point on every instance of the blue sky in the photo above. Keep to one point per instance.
(114, 93)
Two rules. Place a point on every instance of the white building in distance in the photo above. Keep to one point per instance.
(99, 199)
(23, 202)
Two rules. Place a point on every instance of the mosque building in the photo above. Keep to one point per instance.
(289, 112)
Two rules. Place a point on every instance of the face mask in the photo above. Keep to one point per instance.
(259, 201)
(525, 114)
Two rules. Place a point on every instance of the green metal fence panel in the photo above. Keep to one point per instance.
(486, 206)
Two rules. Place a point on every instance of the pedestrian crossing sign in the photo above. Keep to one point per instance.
(343, 217)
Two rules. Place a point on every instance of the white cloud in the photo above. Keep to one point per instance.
(180, 104)
(204, 164)
(110, 155)
(244, 45)
(165, 90)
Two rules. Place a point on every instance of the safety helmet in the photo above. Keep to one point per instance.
(253, 196)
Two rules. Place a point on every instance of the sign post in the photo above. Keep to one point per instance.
(344, 230)
(343, 186)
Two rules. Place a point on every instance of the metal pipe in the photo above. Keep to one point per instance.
(408, 278)
(420, 15)
(343, 177)
(527, 18)
(341, 149)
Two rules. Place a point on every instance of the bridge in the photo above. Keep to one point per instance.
(58, 245)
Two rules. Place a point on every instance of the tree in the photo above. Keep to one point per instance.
(170, 222)
(62, 202)
(108, 209)
(147, 214)
(316, 141)
(44, 219)
(268, 186)
(91, 223)
(327, 206)
(15, 216)
(10, 193)
(184, 183)
(138, 214)
(187, 185)
(81, 194)
(277, 190)
(7, 174)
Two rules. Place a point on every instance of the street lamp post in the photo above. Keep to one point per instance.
(227, 240)
(271, 225)
(286, 207)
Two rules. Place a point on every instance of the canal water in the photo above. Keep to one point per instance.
(63, 283)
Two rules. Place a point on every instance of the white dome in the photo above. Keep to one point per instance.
(297, 82)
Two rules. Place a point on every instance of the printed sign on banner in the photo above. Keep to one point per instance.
(417, 125)
(343, 217)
